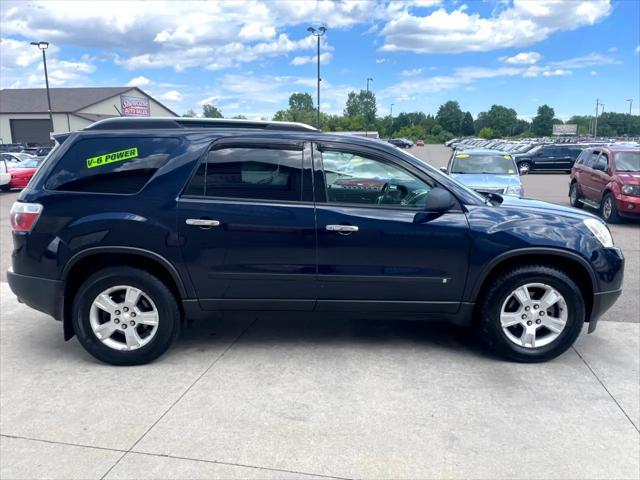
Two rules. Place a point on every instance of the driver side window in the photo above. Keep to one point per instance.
(355, 179)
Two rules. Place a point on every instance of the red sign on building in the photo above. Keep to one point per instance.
(135, 106)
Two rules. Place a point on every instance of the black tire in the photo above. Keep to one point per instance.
(574, 196)
(489, 325)
(613, 216)
(167, 308)
(5, 188)
(524, 167)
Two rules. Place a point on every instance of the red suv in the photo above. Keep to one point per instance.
(607, 178)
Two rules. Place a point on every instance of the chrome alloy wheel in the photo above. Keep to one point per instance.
(607, 208)
(124, 318)
(533, 315)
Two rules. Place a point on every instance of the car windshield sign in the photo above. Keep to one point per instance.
(493, 164)
(628, 161)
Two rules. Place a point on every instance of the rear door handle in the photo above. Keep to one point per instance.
(342, 228)
(202, 222)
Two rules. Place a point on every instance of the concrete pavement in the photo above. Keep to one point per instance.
(302, 398)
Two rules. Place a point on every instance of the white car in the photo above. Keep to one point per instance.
(5, 176)
(15, 157)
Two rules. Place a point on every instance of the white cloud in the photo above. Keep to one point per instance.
(593, 73)
(21, 66)
(523, 58)
(523, 23)
(171, 95)
(302, 60)
(381, 60)
(556, 73)
(140, 81)
(411, 72)
(637, 50)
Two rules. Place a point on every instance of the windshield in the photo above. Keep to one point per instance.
(628, 161)
(444, 178)
(496, 164)
(30, 163)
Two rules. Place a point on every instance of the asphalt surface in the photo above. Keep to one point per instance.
(253, 398)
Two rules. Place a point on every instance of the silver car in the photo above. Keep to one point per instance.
(484, 170)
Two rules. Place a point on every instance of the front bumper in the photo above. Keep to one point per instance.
(42, 294)
(602, 301)
(628, 206)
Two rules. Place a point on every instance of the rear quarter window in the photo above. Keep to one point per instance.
(111, 164)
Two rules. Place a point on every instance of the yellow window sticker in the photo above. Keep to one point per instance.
(462, 155)
(510, 171)
(507, 157)
(112, 157)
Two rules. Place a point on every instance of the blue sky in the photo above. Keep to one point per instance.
(248, 57)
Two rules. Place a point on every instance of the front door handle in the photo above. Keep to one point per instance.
(202, 222)
(342, 228)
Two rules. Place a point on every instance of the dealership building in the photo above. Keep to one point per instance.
(24, 115)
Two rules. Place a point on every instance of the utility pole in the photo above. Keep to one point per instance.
(366, 119)
(391, 133)
(43, 46)
(630, 100)
(595, 121)
(318, 33)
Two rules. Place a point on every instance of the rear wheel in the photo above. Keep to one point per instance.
(125, 316)
(532, 313)
(609, 209)
(574, 196)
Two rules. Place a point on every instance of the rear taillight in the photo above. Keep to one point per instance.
(24, 216)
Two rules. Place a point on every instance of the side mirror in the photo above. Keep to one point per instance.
(440, 200)
(443, 169)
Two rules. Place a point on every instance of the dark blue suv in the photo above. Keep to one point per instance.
(131, 227)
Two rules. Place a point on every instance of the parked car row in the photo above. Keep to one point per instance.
(532, 155)
(16, 174)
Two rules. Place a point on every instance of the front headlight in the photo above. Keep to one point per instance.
(514, 190)
(600, 230)
(631, 189)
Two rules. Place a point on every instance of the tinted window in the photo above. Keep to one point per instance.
(354, 179)
(251, 173)
(111, 165)
(591, 159)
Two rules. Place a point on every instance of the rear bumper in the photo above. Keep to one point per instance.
(39, 293)
(601, 303)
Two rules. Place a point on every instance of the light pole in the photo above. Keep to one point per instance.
(318, 33)
(366, 114)
(43, 46)
(595, 120)
(391, 132)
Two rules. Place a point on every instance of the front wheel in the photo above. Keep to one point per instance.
(532, 313)
(609, 209)
(125, 316)
(524, 167)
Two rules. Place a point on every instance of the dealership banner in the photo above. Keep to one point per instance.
(567, 129)
(135, 106)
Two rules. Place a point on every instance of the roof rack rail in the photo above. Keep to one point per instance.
(131, 123)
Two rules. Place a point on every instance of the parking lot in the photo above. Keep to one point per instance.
(272, 397)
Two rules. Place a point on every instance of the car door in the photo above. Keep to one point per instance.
(587, 183)
(543, 159)
(247, 226)
(377, 248)
(600, 176)
(564, 158)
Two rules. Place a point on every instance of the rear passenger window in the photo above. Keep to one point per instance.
(111, 165)
(250, 173)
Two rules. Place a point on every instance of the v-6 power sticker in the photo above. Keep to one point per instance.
(113, 157)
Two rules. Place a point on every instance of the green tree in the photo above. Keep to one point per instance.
(239, 117)
(450, 116)
(209, 111)
(190, 114)
(363, 103)
(542, 124)
(480, 122)
(301, 101)
(521, 126)
(466, 127)
(436, 129)
(487, 133)
(501, 120)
